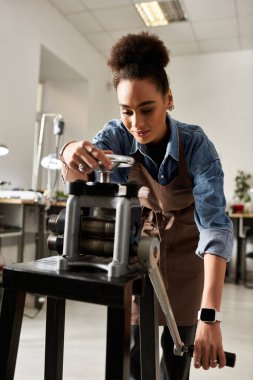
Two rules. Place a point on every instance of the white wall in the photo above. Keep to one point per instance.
(215, 91)
(25, 26)
(71, 98)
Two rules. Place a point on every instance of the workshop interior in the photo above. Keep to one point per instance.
(56, 87)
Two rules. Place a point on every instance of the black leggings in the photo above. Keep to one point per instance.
(172, 367)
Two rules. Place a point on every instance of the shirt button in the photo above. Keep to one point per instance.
(162, 176)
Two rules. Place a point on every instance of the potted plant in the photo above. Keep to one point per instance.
(241, 193)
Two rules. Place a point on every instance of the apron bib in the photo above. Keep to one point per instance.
(168, 214)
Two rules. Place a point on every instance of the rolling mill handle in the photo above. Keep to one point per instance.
(148, 256)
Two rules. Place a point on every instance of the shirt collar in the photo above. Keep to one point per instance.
(172, 147)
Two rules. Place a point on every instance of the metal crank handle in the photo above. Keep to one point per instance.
(230, 356)
(162, 297)
(148, 256)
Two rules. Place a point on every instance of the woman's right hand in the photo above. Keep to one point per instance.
(80, 158)
(84, 153)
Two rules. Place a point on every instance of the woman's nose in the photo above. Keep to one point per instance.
(137, 120)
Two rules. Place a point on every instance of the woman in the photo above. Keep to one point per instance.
(185, 206)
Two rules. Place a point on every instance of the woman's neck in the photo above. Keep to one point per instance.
(157, 151)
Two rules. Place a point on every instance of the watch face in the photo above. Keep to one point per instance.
(207, 315)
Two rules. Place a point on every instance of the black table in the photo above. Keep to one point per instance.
(43, 277)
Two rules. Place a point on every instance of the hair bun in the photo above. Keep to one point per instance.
(138, 49)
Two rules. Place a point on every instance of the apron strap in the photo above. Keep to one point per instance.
(182, 161)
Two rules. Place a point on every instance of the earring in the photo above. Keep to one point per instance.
(171, 107)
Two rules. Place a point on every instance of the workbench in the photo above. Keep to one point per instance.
(23, 217)
(85, 285)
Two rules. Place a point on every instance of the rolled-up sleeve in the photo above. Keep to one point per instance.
(215, 226)
(215, 241)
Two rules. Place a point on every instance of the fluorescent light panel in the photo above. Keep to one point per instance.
(156, 13)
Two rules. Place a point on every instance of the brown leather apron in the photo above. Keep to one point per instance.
(169, 215)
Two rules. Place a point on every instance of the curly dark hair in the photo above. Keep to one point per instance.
(140, 56)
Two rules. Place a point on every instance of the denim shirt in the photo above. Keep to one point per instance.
(204, 167)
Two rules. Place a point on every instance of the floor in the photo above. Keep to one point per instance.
(84, 356)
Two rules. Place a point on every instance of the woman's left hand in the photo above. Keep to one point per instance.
(208, 349)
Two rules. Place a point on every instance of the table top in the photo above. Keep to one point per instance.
(89, 285)
(19, 201)
(240, 215)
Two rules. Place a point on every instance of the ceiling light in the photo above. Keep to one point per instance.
(156, 13)
(3, 150)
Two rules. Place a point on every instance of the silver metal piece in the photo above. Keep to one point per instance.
(122, 191)
(104, 176)
(119, 263)
(122, 207)
(90, 261)
(97, 227)
(120, 260)
(117, 162)
(121, 161)
(148, 256)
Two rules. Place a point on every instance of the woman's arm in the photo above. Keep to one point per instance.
(208, 340)
(215, 246)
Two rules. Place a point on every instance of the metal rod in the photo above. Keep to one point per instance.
(164, 302)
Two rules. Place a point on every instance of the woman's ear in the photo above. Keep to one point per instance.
(170, 104)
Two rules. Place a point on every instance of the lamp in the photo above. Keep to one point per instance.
(58, 126)
(50, 163)
(3, 150)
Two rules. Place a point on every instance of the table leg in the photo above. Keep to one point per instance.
(55, 324)
(149, 334)
(240, 233)
(21, 244)
(238, 261)
(40, 236)
(11, 317)
(118, 340)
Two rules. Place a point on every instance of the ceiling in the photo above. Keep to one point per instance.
(211, 26)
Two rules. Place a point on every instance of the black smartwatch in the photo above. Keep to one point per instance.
(209, 315)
